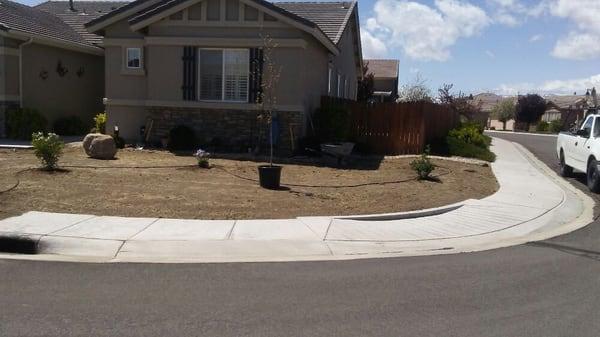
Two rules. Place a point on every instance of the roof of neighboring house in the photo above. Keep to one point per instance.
(566, 101)
(489, 100)
(35, 22)
(85, 11)
(383, 68)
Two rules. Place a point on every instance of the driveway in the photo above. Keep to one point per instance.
(542, 289)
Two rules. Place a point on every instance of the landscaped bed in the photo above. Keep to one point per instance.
(229, 189)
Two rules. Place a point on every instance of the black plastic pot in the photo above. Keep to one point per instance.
(269, 176)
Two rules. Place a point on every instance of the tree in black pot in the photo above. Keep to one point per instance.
(269, 73)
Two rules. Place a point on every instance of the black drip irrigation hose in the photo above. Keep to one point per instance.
(448, 171)
(18, 181)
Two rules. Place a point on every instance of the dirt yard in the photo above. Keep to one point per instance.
(229, 189)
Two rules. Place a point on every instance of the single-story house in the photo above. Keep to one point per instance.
(203, 64)
(48, 65)
(385, 79)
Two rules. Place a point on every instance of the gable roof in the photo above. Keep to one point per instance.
(326, 19)
(383, 68)
(85, 11)
(32, 22)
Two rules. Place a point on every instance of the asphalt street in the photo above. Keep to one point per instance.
(545, 289)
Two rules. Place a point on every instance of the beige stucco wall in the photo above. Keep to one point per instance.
(56, 96)
(129, 119)
(303, 80)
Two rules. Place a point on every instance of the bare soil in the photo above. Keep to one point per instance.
(175, 188)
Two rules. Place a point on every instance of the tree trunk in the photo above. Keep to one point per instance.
(503, 125)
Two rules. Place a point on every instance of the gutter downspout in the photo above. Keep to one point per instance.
(30, 41)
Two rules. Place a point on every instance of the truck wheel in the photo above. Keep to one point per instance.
(593, 176)
(565, 170)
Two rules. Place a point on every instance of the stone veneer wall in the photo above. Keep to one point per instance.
(5, 106)
(228, 130)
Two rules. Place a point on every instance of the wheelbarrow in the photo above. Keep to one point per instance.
(338, 150)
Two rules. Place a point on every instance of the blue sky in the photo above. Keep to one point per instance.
(503, 46)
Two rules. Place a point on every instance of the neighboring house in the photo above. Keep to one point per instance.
(487, 102)
(47, 65)
(570, 109)
(200, 63)
(385, 79)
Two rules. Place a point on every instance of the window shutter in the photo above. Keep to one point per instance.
(190, 71)
(256, 70)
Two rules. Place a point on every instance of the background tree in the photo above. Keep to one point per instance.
(366, 85)
(463, 104)
(530, 109)
(415, 91)
(504, 111)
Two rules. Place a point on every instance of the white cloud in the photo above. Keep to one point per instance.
(506, 19)
(577, 46)
(551, 87)
(423, 32)
(536, 38)
(583, 42)
(490, 54)
(372, 47)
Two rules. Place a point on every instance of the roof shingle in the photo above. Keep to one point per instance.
(85, 11)
(33, 21)
(330, 17)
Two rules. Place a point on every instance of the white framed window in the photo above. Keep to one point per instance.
(345, 87)
(339, 85)
(223, 74)
(133, 56)
(329, 80)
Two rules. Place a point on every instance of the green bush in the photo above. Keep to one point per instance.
(542, 126)
(69, 126)
(471, 134)
(22, 123)
(555, 126)
(469, 141)
(423, 165)
(459, 148)
(47, 148)
(100, 122)
(181, 138)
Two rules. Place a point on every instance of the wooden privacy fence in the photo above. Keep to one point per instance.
(396, 128)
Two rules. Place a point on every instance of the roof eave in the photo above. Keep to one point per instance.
(54, 42)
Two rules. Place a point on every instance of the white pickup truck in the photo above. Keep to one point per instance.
(580, 151)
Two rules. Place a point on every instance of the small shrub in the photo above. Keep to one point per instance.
(22, 123)
(459, 148)
(423, 165)
(202, 157)
(69, 126)
(555, 126)
(181, 138)
(542, 126)
(100, 122)
(47, 148)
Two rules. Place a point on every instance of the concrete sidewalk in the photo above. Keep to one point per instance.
(533, 203)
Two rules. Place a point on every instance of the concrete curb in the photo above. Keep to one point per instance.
(533, 203)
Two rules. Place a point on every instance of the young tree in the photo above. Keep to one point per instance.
(415, 91)
(366, 85)
(267, 99)
(504, 111)
(530, 109)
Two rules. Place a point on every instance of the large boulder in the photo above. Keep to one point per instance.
(99, 146)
